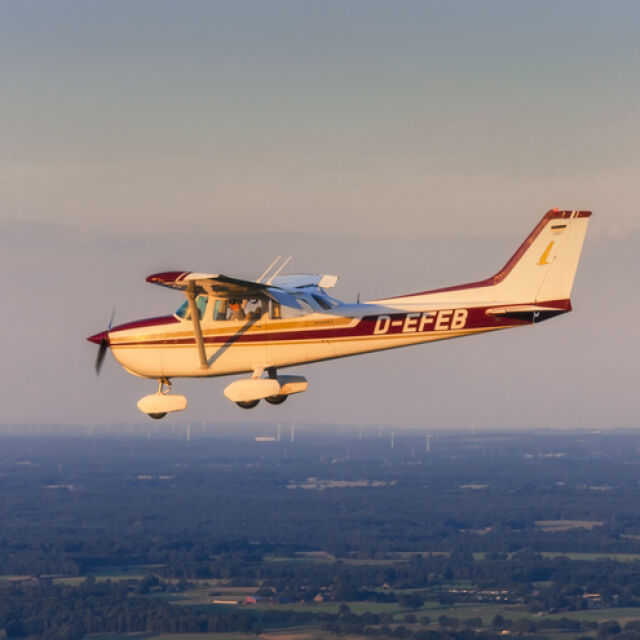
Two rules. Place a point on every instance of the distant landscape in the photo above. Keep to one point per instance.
(216, 531)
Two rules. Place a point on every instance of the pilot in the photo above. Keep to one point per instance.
(237, 312)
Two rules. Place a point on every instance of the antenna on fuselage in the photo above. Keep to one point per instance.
(279, 269)
(266, 271)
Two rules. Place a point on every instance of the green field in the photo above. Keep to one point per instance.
(564, 525)
(618, 557)
(171, 636)
(433, 609)
(203, 636)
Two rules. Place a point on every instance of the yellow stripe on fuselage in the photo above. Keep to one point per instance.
(273, 326)
(397, 337)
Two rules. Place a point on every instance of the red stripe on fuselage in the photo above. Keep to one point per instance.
(477, 318)
(145, 322)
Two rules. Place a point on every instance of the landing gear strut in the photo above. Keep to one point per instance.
(162, 383)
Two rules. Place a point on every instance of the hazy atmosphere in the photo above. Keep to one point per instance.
(399, 145)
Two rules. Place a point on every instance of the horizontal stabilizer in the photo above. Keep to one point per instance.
(530, 312)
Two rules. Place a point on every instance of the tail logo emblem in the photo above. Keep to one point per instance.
(545, 255)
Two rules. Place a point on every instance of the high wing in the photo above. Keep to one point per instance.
(227, 286)
(209, 283)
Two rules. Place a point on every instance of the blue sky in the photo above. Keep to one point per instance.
(322, 129)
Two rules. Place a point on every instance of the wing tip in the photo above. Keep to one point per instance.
(167, 278)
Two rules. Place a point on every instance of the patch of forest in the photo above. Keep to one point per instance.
(330, 516)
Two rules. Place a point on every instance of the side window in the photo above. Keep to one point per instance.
(275, 310)
(235, 309)
(244, 309)
(254, 308)
(323, 302)
(279, 311)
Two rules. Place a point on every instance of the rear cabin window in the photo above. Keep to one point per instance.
(279, 311)
(323, 302)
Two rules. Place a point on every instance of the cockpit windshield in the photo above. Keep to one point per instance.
(184, 312)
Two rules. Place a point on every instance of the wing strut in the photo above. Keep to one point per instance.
(190, 292)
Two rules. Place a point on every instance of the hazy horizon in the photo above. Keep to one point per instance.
(401, 146)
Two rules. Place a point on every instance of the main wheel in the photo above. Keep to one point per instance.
(157, 416)
(247, 404)
(276, 399)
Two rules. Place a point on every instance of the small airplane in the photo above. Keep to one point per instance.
(230, 325)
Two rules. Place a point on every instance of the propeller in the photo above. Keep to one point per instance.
(102, 352)
(102, 339)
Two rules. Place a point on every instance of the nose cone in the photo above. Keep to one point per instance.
(99, 338)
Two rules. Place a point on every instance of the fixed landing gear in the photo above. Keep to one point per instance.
(275, 389)
(164, 387)
(250, 404)
(158, 404)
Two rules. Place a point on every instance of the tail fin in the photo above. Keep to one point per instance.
(541, 270)
(544, 267)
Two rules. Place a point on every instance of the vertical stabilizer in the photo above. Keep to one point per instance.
(541, 270)
(544, 267)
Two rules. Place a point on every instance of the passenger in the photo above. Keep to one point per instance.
(256, 314)
(237, 312)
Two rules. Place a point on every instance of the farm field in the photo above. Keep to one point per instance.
(410, 553)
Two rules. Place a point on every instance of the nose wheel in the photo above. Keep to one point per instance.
(158, 404)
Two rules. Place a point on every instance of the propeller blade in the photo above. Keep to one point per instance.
(102, 352)
(101, 339)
